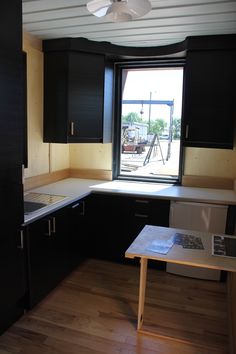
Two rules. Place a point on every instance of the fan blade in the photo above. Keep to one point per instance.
(139, 8)
(99, 7)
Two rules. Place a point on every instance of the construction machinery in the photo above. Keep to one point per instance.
(131, 141)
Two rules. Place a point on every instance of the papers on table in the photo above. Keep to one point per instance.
(162, 244)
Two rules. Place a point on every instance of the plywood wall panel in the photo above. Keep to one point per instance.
(43, 158)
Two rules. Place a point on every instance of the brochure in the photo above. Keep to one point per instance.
(161, 245)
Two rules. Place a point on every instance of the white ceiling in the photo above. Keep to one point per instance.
(170, 21)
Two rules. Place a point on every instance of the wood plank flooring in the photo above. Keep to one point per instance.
(94, 311)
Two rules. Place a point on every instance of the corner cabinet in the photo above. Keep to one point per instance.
(209, 93)
(78, 88)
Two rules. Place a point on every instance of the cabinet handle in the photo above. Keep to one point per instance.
(21, 245)
(75, 205)
(81, 212)
(142, 201)
(72, 128)
(23, 173)
(83, 208)
(49, 233)
(141, 215)
(53, 225)
(186, 131)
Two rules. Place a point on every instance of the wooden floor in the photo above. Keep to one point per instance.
(94, 311)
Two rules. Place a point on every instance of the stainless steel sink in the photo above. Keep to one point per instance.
(36, 201)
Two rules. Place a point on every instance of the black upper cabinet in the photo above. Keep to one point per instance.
(77, 97)
(209, 109)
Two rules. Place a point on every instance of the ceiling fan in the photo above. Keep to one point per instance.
(119, 10)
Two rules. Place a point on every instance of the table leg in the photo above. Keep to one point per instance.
(142, 288)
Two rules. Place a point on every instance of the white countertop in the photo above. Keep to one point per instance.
(76, 188)
(166, 191)
(72, 188)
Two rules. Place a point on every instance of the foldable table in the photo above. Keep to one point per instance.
(177, 254)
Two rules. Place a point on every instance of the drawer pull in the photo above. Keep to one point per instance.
(21, 245)
(49, 233)
(186, 131)
(53, 225)
(72, 128)
(75, 206)
(141, 215)
(141, 201)
(82, 213)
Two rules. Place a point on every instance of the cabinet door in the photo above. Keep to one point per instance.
(209, 98)
(48, 256)
(55, 127)
(98, 211)
(117, 221)
(60, 258)
(85, 96)
(77, 232)
(12, 270)
(108, 226)
(12, 276)
(148, 211)
(76, 85)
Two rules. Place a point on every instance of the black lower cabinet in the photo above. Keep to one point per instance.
(77, 232)
(115, 221)
(12, 275)
(47, 254)
(99, 226)
(148, 211)
(108, 231)
(56, 244)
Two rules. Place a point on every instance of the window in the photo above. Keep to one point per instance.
(147, 132)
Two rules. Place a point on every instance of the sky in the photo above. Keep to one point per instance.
(163, 84)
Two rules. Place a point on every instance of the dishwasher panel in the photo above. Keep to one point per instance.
(199, 217)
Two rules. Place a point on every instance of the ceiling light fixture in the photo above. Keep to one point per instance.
(119, 10)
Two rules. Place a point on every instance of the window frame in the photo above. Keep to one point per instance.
(116, 160)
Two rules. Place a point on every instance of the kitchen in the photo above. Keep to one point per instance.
(59, 161)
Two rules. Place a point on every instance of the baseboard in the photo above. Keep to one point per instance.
(208, 182)
(187, 181)
(47, 178)
(91, 174)
(41, 180)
